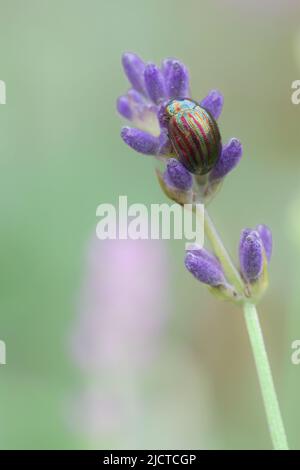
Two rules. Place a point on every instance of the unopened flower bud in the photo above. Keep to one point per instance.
(213, 103)
(124, 107)
(134, 68)
(177, 78)
(140, 141)
(177, 176)
(155, 83)
(205, 267)
(251, 255)
(229, 158)
(266, 237)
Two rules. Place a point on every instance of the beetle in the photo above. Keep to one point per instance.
(194, 135)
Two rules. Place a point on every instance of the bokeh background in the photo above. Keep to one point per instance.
(117, 346)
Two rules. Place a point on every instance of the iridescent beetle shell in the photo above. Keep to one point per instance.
(194, 135)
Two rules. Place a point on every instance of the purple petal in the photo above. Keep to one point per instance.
(204, 268)
(123, 107)
(244, 233)
(134, 68)
(166, 66)
(229, 158)
(206, 255)
(139, 105)
(136, 97)
(140, 141)
(213, 103)
(177, 78)
(266, 237)
(251, 254)
(155, 83)
(177, 176)
(161, 115)
(165, 147)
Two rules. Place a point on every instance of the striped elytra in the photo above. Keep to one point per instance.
(194, 135)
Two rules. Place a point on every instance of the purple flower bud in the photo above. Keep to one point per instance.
(244, 234)
(140, 141)
(177, 176)
(266, 237)
(165, 147)
(205, 267)
(136, 97)
(213, 103)
(123, 107)
(177, 78)
(251, 254)
(155, 83)
(229, 158)
(166, 66)
(134, 68)
(161, 115)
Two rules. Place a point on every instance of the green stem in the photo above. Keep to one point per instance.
(230, 270)
(220, 251)
(271, 405)
(274, 418)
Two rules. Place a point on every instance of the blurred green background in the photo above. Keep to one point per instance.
(61, 156)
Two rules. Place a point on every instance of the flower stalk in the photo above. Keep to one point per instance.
(184, 134)
(275, 423)
(271, 405)
(270, 401)
(230, 270)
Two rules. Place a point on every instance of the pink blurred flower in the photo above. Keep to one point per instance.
(98, 412)
(122, 311)
(123, 305)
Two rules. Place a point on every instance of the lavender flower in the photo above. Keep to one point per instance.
(124, 107)
(134, 68)
(144, 105)
(155, 83)
(155, 87)
(140, 141)
(205, 267)
(230, 157)
(251, 255)
(182, 133)
(176, 78)
(152, 86)
(213, 103)
(177, 176)
(266, 238)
